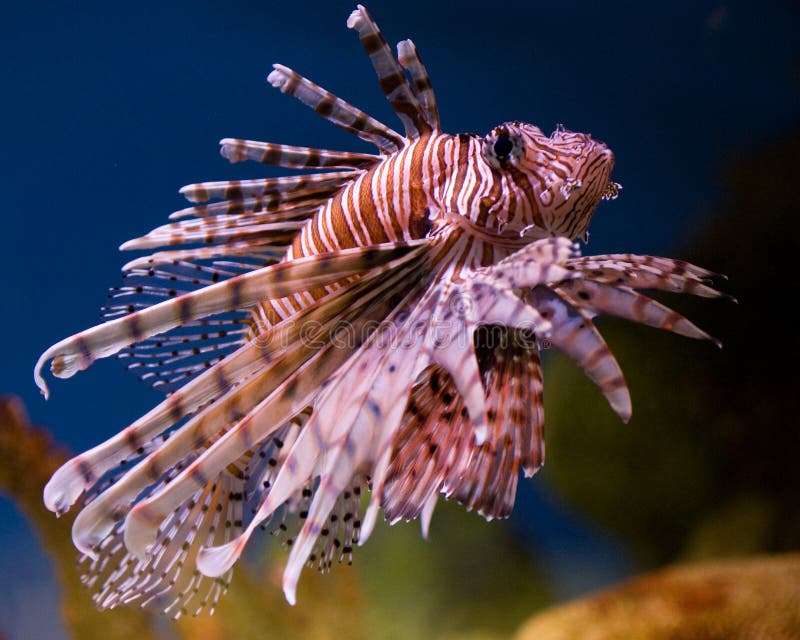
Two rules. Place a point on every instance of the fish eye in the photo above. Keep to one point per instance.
(503, 146)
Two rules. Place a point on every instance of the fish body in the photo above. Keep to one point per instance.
(373, 326)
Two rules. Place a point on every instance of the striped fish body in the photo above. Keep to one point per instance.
(391, 202)
(439, 182)
(373, 326)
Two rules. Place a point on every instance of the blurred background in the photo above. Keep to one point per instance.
(108, 108)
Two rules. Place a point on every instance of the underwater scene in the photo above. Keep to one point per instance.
(559, 237)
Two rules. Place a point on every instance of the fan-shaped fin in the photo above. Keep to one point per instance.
(287, 399)
(82, 471)
(487, 482)
(302, 274)
(425, 445)
(301, 383)
(171, 359)
(366, 396)
(374, 402)
(167, 362)
(434, 451)
(167, 579)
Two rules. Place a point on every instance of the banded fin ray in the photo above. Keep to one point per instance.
(169, 360)
(391, 76)
(265, 211)
(257, 231)
(293, 157)
(78, 352)
(626, 303)
(289, 186)
(235, 250)
(575, 335)
(274, 208)
(343, 114)
(647, 272)
(409, 59)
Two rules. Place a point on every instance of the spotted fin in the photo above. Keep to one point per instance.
(169, 360)
(167, 580)
(78, 352)
(434, 451)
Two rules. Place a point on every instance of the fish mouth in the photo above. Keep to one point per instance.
(611, 191)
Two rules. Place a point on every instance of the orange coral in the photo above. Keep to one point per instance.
(28, 457)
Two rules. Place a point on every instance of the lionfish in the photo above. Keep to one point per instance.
(375, 326)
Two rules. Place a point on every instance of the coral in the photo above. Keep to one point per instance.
(28, 457)
(733, 600)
